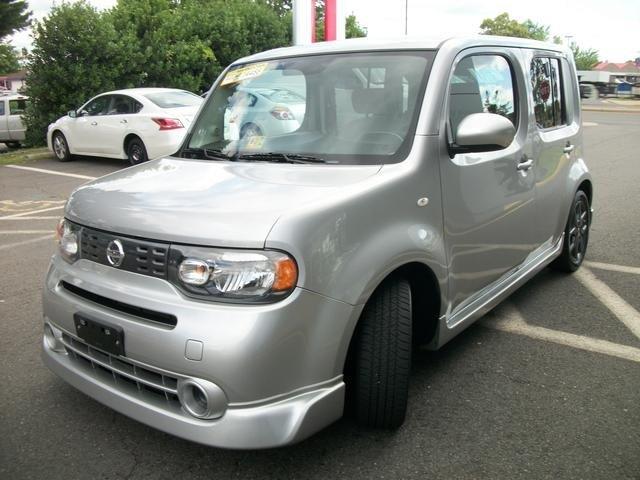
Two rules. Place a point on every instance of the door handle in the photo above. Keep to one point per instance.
(94, 123)
(568, 148)
(525, 163)
(124, 120)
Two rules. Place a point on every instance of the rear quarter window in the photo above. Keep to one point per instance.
(547, 89)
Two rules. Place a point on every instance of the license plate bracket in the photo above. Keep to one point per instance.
(101, 335)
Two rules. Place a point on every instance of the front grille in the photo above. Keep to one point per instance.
(140, 256)
(152, 315)
(152, 386)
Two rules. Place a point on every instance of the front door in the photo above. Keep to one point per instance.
(86, 130)
(488, 197)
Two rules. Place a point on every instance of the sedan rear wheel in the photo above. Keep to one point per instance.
(136, 152)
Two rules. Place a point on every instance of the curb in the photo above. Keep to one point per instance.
(586, 108)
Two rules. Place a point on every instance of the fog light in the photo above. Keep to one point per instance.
(202, 399)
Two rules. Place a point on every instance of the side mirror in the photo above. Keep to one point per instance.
(72, 113)
(484, 132)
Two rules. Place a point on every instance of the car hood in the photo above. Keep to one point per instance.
(206, 202)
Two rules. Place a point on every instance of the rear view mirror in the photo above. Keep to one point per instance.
(483, 132)
(72, 113)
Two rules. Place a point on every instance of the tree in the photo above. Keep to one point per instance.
(77, 53)
(585, 59)
(14, 15)
(8, 59)
(508, 27)
(353, 29)
(536, 31)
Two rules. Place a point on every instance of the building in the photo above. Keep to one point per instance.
(606, 72)
(14, 82)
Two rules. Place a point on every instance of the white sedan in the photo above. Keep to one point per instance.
(137, 124)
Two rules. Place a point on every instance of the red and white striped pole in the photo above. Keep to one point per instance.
(330, 19)
(304, 21)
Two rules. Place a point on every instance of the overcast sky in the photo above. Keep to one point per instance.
(610, 26)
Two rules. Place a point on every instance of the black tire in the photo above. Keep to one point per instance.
(382, 357)
(576, 235)
(60, 147)
(136, 151)
(12, 144)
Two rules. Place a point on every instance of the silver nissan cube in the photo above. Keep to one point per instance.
(242, 291)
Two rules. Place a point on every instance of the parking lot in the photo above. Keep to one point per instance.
(545, 386)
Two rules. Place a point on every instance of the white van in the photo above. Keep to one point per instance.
(12, 129)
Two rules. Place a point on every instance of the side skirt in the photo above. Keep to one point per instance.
(458, 320)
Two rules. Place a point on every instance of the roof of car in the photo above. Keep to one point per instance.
(141, 91)
(402, 43)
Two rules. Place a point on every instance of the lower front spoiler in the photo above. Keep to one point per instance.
(268, 425)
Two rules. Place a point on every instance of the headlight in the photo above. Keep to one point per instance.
(67, 236)
(233, 275)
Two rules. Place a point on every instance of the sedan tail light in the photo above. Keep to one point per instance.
(282, 113)
(168, 123)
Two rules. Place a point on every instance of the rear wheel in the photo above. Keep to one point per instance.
(576, 235)
(136, 151)
(60, 147)
(382, 357)
(12, 144)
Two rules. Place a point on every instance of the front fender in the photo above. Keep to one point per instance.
(346, 244)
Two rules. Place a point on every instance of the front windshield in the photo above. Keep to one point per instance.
(355, 108)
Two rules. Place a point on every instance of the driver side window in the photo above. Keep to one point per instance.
(481, 84)
(99, 106)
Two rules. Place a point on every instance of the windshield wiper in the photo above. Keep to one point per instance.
(205, 153)
(281, 158)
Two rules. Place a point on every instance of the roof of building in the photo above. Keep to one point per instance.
(617, 67)
(19, 75)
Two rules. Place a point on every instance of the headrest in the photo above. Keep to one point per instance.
(372, 100)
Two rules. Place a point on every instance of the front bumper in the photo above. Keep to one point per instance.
(279, 365)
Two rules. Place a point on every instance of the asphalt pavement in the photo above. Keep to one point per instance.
(545, 386)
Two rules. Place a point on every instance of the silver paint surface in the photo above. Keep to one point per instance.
(486, 228)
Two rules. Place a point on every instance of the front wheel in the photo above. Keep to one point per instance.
(576, 235)
(61, 147)
(382, 357)
(136, 152)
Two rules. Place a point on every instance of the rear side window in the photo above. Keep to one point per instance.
(17, 107)
(1, 108)
(481, 84)
(123, 105)
(546, 83)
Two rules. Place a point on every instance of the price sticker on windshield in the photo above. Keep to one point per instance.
(244, 73)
